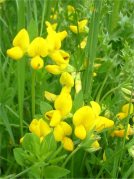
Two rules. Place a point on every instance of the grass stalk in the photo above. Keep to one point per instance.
(21, 64)
(33, 92)
(90, 52)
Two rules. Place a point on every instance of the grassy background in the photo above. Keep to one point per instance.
(110, 42)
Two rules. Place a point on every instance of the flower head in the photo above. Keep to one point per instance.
(39, 127)
(80, 28)
(20, 43)
(37, 63)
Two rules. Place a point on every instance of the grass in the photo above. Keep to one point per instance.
(110, 42)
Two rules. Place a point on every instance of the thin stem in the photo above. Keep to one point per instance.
(33, 92)
(69, 157)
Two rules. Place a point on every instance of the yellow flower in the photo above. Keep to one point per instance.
(37, 63)
(70, 9)
(67, 80)
(15, 53)
(51, 27)
(60, 57)
(95, 145)
(54, 116)
(83, 43)
(80, 28)
(80, 132)
(62, 130)
(50, 96)
(38, 47)
(63, 103)
(126, 110)
(68, 144)
(121, 132)
(39, 127)
(83, 121)
(86, 118)
(20, 43)
(55, 69)
(62, 35)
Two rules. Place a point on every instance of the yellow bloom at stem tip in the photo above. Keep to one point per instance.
(63, 103)
(61, 131)
(20, 43)
(125, 111)
(38, 47)
(66, 79)
(39, 127)
(87, 118)
(37, 63)
(80, 28)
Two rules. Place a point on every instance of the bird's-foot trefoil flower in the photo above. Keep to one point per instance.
(20, 45)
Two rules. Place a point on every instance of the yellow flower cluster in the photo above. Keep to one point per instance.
(41, 47)
(125, 111)
(63, 106)
(87, 118)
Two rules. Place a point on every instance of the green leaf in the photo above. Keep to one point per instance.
(55, 172)
(48, 144)
(78, 101)
(44, 107)
(31, 143)
(19, 156)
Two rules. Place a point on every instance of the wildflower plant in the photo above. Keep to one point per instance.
(74, 114)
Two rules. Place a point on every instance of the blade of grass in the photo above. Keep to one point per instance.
(21, 63)
(4, 117)
(90, 51)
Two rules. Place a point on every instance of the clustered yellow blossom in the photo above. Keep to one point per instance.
(41, 47)
(63, 106)
(20, 45)
(126, 110)
(87, 118)
(80, 27)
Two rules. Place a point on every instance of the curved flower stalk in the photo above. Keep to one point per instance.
(80, 28)
(87, 118)
(127, 109)
(20, 45)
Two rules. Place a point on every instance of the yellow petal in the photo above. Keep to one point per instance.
(84, 116)
(121, 115)
(83, 43)
(70, 9)
(67, 79)
(73, 28)
(66, 127)
(21, 139)
(50, 96)
(96, 107)
(34, 127)
(15, 53)
(38, 47)
(44, 128)
(95, 144)
(37, 63)
(53, 41)
(54, 69)
(103, 123)
(22, 40)
(128, 108)
(56, 118)
(59, 57)
(58, 133)
(62, 35)
(80, 132)
(68, 144)
(63, 103)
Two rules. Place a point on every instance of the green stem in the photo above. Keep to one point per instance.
(69, 157)
(33, 92)
(90, 52)
(110, 91)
